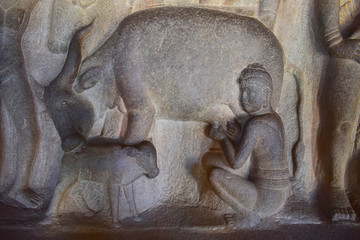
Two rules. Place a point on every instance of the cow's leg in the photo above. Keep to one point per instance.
(340, 104)
(129, 195)
(140, 109)
(16, 94)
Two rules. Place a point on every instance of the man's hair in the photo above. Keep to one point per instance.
(257, 74)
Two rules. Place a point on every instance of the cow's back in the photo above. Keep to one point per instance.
(190, 59)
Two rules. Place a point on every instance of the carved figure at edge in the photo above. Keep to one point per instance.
(114, 165)
(262, 139)
(70, 16)
(17, 97)
(339, 103)
(140, 70)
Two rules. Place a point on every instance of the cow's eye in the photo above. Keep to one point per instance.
(63, 103)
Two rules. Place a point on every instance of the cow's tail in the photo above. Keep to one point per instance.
(288, 109)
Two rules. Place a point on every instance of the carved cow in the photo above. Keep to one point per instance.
(169, 63)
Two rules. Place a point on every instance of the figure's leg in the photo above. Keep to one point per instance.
(114, 193)
(212, 160)
(129, 195)
(16, 94)
(237, 192)
(340, 113)
(7, 153)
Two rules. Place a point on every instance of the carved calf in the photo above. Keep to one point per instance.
(113, 165)
(169, 63)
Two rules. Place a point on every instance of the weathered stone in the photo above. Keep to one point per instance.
(248, 109)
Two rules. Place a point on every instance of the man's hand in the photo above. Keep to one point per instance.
(347, 48)
(217, 133)
(233, 130)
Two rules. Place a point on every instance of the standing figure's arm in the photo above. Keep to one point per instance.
(328, 19)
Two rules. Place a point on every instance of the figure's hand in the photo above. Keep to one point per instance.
(217, 133)
(233, 130)
(348, 48)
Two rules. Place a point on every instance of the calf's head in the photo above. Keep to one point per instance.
(146, 156)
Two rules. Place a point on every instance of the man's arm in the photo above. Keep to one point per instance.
(328, 18)
(238, 156)
(328, 13)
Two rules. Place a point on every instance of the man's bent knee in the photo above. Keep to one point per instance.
(217, 175)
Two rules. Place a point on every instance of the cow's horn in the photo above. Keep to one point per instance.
(71, 67)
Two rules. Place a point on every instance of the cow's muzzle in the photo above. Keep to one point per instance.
(73, 143)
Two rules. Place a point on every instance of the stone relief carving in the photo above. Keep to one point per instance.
(143, 90)
(17, 98)
(339, 99)
(129, 88)
(113, 165)
(267, 187)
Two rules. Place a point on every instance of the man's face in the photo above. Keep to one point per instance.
(251, 97)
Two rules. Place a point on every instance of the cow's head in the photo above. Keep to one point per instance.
(68, 16)
(66, 97)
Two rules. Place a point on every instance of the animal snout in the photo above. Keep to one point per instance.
(73, 143)
(154, 173)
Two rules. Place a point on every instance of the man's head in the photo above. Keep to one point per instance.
(255, 87)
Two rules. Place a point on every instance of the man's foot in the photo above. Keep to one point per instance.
(342, 214)
(26, 198)
(238, 221)
(341, 209)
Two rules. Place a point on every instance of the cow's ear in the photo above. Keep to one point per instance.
(88, 79)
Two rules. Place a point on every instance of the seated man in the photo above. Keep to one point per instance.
(267, 188)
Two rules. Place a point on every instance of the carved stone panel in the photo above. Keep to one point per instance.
(161, 119)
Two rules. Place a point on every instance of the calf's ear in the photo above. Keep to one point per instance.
(88, 79)
(133, 152)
